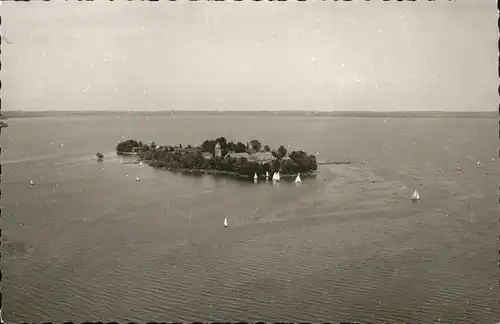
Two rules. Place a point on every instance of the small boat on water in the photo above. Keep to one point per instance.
(276, 177)
(267, 175)
(137, 179)
(32, 183)
(415, 196)
(255, 177)
(297, 180)
(225, 222)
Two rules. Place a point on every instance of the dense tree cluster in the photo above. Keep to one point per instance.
(129, 145)
(226, 147)
(197, 158)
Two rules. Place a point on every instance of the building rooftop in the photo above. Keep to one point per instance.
(261, 157)
(238, 155)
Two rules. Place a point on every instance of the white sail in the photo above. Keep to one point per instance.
(298, 180)
(225, 222)
(267, 174)
(255, 177)
(121, 159)
(415, 196)
(137, 179)
(278, 176)
(140, 163)
(32, 183)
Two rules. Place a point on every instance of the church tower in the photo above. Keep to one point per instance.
(218, 151)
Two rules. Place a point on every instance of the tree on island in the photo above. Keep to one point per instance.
(255, 145)
(146, 155)
(231, 147)
(288, 166)
(208, 146)
(188, 161)
(249, 168)
(240, 148)
(222, 142)
(303, 162)
(275, 165)
(267, 167)
(126, 146)
(282, 152)
(267, 148)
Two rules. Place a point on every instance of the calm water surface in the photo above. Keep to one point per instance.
(89, 243)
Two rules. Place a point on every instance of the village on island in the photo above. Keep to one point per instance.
(222, 157)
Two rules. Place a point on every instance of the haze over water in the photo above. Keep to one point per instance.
(89, 243)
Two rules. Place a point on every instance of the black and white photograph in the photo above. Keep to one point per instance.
(312, 161)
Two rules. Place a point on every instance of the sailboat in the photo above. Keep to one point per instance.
(276, 176)
(140, 163)
(121, 159)
(267, 175)
(32, 183)
(297, 180)
(225, 222)
(255, 177)
(137, 179)
(415, 196)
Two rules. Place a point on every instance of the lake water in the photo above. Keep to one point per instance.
(89, 243)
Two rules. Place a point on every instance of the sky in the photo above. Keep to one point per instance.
(314, 55)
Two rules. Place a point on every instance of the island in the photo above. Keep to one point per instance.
(223, 157)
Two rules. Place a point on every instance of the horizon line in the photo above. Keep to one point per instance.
(12, 114)
(250, 111)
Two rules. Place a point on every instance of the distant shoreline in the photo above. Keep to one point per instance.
(242, 113)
